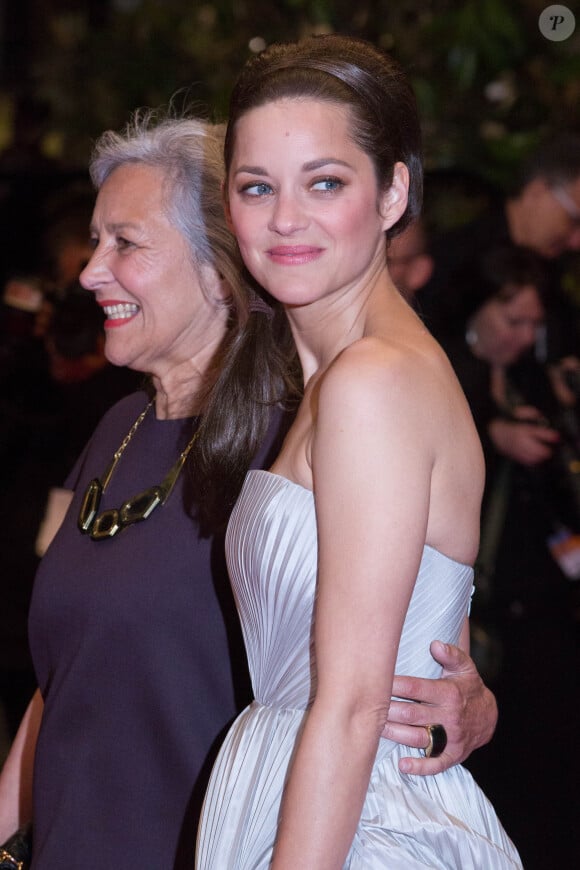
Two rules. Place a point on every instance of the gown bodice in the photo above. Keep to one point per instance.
(407, 823)
(271, 547)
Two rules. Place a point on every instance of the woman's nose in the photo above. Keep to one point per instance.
(95, 272)
(287, 215)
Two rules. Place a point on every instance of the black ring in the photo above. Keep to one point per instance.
(437, 740)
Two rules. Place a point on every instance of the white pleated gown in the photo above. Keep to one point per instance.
(442, 821)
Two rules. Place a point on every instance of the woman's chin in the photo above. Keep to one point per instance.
(119, 357)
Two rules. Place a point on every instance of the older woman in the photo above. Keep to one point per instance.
(133, 637)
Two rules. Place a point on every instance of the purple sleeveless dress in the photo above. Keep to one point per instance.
(137, 653)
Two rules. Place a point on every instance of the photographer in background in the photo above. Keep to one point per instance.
(530, 520)
(540, 212)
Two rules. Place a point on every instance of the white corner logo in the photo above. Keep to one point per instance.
(557, 23)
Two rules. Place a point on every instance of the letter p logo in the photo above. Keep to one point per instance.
(557, 23)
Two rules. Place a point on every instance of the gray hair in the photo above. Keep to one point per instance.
(189, 153)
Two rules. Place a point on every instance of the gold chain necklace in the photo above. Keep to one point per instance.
(134, 510)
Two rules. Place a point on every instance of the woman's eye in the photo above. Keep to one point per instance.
(123, 244)
(328, 184)
(257, 188)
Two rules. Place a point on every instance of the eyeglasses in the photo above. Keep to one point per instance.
(567, 202)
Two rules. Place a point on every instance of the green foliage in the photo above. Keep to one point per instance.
(487, 82)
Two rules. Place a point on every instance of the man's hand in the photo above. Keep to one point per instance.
(459, 701)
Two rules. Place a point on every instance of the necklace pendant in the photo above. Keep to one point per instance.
(134, 510)
(141, 506)
(90, 505)
(106, 525)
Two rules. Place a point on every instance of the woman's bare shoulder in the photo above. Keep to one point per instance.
(391, 371)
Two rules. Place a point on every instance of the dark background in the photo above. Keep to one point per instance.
(489, 86)
(487, 81)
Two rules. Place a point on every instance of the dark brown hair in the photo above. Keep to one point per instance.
(255, 370)
(499, 274)
(345, 72)
(348, 72)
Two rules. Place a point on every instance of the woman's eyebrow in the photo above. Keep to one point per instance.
(311, 165)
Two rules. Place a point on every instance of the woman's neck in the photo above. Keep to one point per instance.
(180, 389)
(324, 328)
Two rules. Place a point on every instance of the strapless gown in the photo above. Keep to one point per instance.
(442, 821)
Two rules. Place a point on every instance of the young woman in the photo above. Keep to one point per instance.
(135, 645)
(355, 547)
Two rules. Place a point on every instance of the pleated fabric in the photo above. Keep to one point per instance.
(442, 821)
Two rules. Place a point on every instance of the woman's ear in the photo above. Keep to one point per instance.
(394, 201)
(216, 287)
(226, 205)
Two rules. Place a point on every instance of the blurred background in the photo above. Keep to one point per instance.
(487, 81)
(490, 87)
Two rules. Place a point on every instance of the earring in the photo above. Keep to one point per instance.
(471, 336)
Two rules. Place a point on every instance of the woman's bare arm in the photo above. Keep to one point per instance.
(372, 469)
(16, 776)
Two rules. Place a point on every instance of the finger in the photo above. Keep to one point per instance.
(452, 658)
(429, 694)
(406, 735)
(548, 436)
(415, 689)
(420, 766)
(450, 715)
(527, 412)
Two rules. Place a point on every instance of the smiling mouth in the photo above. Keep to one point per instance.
(120, 311)
(294, 254)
